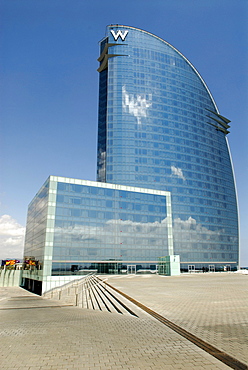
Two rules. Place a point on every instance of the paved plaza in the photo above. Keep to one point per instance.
(213, 306)
(39, 333)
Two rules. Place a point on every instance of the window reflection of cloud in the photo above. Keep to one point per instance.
(112, 228)
(196, 230)
(102, 156)
(136, 104)
(102, 163)
(177, 171)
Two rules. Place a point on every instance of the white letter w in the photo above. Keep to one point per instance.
(119, 34)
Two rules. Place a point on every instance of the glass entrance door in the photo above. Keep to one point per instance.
(191, 268)
(227, 268)
(211, 268)
(131, 269)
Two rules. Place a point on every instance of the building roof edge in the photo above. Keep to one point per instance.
(166, 42)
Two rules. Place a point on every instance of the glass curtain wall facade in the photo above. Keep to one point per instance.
(75, 227)
(165, 179)
(159, 128)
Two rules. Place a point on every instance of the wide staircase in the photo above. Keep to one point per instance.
(94, 293)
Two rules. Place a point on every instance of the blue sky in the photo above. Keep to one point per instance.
(49, 88)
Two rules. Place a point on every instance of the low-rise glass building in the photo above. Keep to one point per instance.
(75, 227)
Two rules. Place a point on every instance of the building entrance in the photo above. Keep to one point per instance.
(191, 268)
(131, 269)
(227, 268)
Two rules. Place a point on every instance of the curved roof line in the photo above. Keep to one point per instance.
(191, 65)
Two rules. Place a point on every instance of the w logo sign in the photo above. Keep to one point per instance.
(120, 34)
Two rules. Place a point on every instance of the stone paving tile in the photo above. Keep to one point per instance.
(214, 307)
(73, 338)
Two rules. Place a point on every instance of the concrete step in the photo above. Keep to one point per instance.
(92, 293)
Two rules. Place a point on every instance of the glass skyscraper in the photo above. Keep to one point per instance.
(165, 183)
(160, 128)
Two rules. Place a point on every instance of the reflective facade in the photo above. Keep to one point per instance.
(165, 179)
(76, 226)
(160, 128)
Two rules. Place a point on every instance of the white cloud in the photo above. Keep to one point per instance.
(176, 171)
(136, 104)
(11, 238)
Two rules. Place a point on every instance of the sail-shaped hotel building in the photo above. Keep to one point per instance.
(163, 155)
